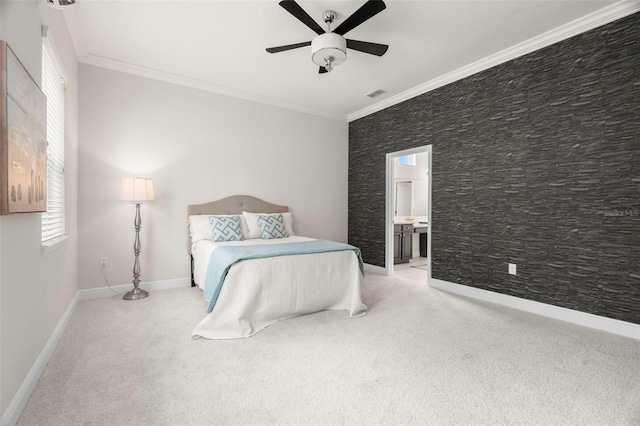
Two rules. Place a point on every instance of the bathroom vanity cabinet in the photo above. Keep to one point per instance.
(402, 243)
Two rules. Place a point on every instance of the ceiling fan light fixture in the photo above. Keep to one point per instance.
(329, 48)
(328, 60)
(329, 45)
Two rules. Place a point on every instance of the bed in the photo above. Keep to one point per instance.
(259, 271)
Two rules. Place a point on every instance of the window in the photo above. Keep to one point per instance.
(409, 160)
(53, 86)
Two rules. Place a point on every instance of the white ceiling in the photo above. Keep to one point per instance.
(220, 45)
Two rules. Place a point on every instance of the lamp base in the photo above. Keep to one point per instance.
(135, 294)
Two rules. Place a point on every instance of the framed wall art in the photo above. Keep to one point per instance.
(23, 138)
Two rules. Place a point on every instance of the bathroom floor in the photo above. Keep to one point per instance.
(416, 262)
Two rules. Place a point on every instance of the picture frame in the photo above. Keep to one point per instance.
(23, 138)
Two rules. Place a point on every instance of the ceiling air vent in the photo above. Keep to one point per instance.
(375, 93)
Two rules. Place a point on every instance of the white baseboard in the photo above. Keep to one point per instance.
(16, 406)
(96, 293)
(14, 409)
(597, 322)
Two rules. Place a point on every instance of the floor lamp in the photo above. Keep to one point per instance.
(136, 190)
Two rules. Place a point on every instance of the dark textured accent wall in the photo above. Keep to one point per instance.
(535, 162)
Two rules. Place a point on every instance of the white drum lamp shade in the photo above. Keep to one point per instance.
(137, 190)
(329, 48)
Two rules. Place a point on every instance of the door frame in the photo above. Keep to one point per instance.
(389, 195)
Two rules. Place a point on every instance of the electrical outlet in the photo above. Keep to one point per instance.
(103, 262)
(512, 268)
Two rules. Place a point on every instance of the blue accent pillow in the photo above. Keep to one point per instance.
(225, 228)
(272, 226)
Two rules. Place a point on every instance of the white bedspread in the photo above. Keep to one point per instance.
(260, 292)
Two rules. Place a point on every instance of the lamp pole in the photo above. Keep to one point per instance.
(136, 293)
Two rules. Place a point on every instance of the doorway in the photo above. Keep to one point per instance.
(407, 211)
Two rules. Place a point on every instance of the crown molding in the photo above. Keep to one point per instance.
(201, 85)
(596, 19)
(75, 30)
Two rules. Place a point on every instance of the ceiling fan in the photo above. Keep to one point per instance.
(329, 48)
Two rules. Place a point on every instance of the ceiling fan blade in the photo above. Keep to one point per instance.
(366, 11)
(322, 70)
(294, 8)
(367, 47)
(287, 47)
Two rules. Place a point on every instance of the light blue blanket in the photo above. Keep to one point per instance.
(223, 257)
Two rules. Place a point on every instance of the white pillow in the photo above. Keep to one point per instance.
(253, 229)
(271, 226)
(200, 227)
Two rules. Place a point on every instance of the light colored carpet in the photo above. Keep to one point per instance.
(421, 356)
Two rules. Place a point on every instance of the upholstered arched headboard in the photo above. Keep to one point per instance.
(235, 204)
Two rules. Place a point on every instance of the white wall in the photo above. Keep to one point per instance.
(36, 289)
(198, 147)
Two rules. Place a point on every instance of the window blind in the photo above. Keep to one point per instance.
(53, 86)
